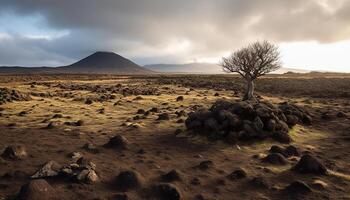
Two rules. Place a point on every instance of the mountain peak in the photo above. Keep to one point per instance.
(105, 62)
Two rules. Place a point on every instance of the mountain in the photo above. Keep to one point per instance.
(204, 68)
(97, 63)
(104, 63)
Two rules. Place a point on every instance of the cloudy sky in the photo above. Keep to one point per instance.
(312, 34)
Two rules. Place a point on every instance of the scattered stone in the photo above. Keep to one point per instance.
(171, 176)
(90, 148)
(52, 125)
(163, 116)
(341, 114)
(127, 180)
(165, 191)
(55, 116)
(117, 142)
(140, 111)
(297, 188)
(88, 101)
(138, 98)
(87, 176)
(84, 163)
(14, 152)
(154, 110)
(260, 182)
(38, 190)
(282, 137)
(50, 169)
(75, 155)
(310, 165)
(10, 95)
(291, 151)
(204, 165)
(195, 181)
(237, 174)
(276, 159)
(180, 98)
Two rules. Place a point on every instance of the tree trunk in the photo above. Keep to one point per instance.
(249, 94)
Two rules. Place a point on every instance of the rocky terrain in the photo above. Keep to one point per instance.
(184, 137)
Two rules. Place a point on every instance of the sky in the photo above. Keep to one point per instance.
(311, 34)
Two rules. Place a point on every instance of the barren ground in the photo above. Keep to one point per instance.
(328, 139)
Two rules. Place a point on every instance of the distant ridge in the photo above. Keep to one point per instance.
(97, 63)
(204, 68)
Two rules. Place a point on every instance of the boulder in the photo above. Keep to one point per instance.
(50, 169)
(171, 176)
(165, 191)
(310, 165)
(14, 152)
(38, 190)
(297, 188)
(237, 174)
(117, 142)
(127, 180)
(275, 158)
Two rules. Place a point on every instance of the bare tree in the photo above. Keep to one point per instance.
(251, 62)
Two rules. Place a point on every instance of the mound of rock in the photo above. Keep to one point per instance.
(310, 165)
(165, 191)
(10, 95)
(242, 121)
(127, 180)
(38, 190)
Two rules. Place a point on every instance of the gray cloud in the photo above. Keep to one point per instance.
(170, 31)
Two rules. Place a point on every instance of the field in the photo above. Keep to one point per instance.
(62, 118)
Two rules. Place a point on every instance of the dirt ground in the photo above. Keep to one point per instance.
(108, 106)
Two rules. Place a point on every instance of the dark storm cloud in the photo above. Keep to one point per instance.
(159, 30)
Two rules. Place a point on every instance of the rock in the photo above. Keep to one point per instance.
(291, 151)
(87, 176)
(127, 180)
(86, 164)
(310, 165)
(117, 142)
(171, 176)
(237, 174)
(277, 149)
(276, 159)
(292, 120)
(341, 114)
(154, 110)
(204, 165)
(165, 191)
(90, 148)
(88, 101)
(271, 125)
(260, 182)
(79, 123)
(163, 116)
(195, 181)
(38, 190)
(298, 187)
(52, 125)
(75, 155)
(199, 197)
(50, 169)
(180, 98)
(140, 111)
(282, 137)
(14, 152)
